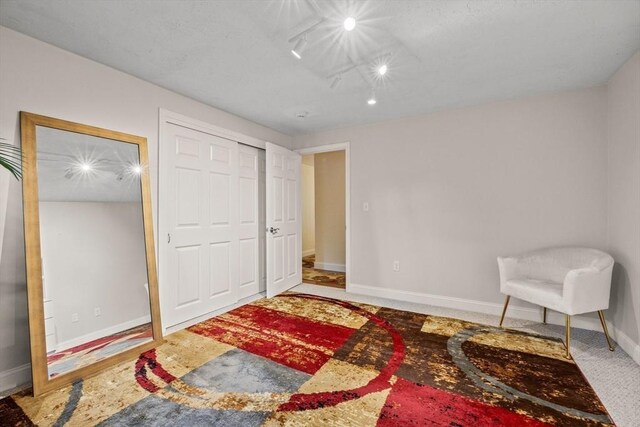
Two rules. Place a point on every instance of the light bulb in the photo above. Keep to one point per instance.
(300, 45)
(349, 23)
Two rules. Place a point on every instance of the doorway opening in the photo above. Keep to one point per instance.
(324, 219)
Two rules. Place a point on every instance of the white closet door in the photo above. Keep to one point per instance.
(262, 206)
(284, 237)
(202, 223)
(249, 211)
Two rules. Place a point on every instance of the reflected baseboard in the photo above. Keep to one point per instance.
(64, 345)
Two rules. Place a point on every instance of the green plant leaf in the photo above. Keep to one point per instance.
(11, 159)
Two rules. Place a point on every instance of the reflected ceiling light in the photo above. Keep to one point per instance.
(382, 70)
(300, 45)
(372, 100)
(349, 23)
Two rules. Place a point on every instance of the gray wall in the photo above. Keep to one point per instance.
(329, 178)
(624, 195)
(449, 192)
(43, 79)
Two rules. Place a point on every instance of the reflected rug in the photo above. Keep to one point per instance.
(300, 359)
(62, 361)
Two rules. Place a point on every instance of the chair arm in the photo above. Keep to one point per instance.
(508, 267)
(587, 289)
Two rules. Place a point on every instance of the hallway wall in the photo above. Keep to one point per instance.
(330, 211)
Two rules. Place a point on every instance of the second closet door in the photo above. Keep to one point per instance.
(249, 247)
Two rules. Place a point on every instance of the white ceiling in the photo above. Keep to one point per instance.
(234, 54)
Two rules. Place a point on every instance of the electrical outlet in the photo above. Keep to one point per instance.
(74, 317)
(396, 265)
(97, 312)
(365, 206)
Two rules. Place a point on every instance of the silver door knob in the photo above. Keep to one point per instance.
(273, 230)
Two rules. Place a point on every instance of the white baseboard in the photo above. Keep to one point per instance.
(626, 343)
(341, 268)
(533, 314)
(103, 333)
(309, 252)
(20, 376)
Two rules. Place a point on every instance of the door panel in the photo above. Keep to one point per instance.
(248, 254)
(284, 244)
(202, 221)
(220, 263)
(188, 272)
(292, 264)
(249, 262)
(219, 185)
(188, 183)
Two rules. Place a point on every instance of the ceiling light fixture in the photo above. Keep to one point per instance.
(382, 70)
(372, 100)
(349, 23)
(137, 169)
(86, 167)
(335, 81)
(300, 45)
(301, 39)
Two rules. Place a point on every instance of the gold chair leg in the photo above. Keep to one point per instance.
(504, 310)
(544, 315)
(604, 327)
(568, 335)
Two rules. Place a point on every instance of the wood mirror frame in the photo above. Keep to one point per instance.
(39, 368)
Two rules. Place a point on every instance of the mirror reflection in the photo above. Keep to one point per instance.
(94, 267)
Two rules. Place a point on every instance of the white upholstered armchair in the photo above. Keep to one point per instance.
(568, 280)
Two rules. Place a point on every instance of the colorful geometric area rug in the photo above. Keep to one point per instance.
(299, 360)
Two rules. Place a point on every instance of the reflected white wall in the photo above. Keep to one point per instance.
(93, 256)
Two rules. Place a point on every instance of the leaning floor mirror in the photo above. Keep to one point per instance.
(91, 273)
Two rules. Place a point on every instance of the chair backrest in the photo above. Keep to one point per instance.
(554, 263)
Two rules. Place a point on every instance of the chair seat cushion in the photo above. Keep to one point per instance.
(545, 293)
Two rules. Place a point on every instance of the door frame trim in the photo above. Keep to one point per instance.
(166, 117)
(346, 147)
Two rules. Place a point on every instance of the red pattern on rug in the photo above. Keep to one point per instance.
(149, 360)
(412, 404)
(295, 341)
